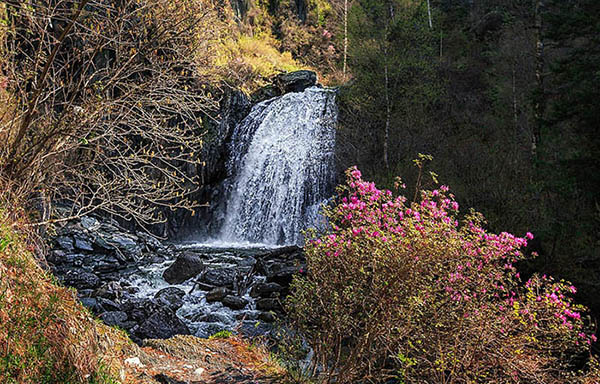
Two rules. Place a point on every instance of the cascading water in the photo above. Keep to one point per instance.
(282, 168)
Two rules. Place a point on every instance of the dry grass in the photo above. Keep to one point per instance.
(227, 360)
(46, 335)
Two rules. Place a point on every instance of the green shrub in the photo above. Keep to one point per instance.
(224, 334)
(400, 290)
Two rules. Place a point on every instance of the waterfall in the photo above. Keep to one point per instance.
(282, 168)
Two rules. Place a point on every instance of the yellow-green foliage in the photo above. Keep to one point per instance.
(251, 60)
(243, 54)
(322, 10)
(46, 335)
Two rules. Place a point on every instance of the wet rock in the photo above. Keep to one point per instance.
(117, 318)
(203, 286)
(185, 267)
(248, 315)
(215, 318)
(91, 304)
(162, 324)
(281, 264)
(108, 305)
(265, 93)
(217, 294)
(140, 309)
(247, 261)
(65, 243)
(254, 328)
(81, 280)
(89, 223)
(265, 289)
(56, 256)
(83, 244)
(268, 305)
(164, 379)
(110, 290)
(287, 252)
(206, 330)
(172, 297)
(151, 242)
(267, 317)
(127, 243)
(155, 259)
(296, 81)
(72, 258)
(234, 302)
(223, 277)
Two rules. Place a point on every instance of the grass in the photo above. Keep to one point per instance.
(225, 334)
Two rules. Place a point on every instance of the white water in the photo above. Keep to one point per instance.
(282, 168)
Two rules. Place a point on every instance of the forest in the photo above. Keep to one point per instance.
(299, 191)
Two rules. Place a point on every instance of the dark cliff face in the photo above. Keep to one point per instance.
(234, 106)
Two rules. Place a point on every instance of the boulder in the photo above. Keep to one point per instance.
(164, 379)
(185, 267)
(162, 324)
(90, 223)
(80, 279)
(140, 309)
(265, 289)
(172, 297)
(215, 318)
(267, 317)
(65, 243)
(217, 294)
(234, 302)
(111, 290)
(108, 304)
(265, 93)
(83, 244)
(117, 318)
(268, 305)
(296, 81)
(222, 277)
(92, 304)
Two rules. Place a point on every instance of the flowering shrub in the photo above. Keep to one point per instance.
(401, 290)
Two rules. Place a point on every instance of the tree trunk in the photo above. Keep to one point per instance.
(514, 101)
(540, 100)
(345, 37)
(386, 136)
(429, 14)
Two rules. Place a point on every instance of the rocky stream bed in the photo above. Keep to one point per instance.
(155, 290)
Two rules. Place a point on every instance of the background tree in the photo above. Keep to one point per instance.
(394, 62)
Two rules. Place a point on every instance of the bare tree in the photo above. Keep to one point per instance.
(108, 103)
(540, 100)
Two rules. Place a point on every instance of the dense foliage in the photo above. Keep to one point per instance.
(409, 290)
